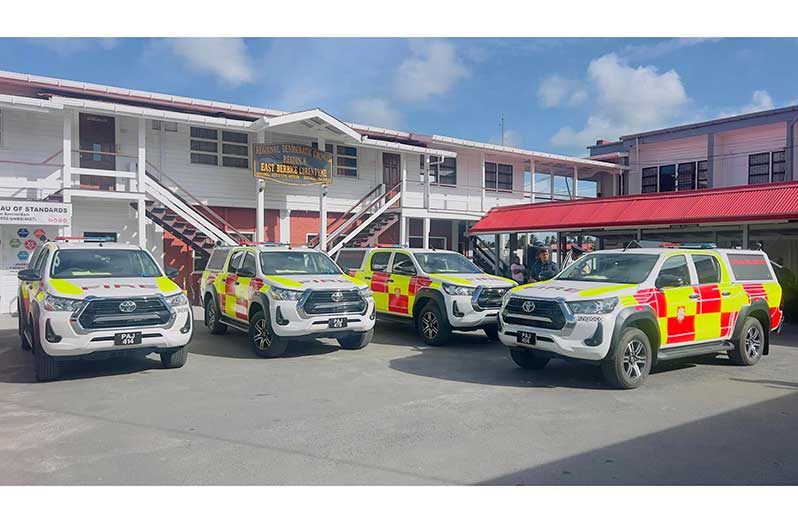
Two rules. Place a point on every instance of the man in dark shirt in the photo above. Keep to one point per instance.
(543, 268)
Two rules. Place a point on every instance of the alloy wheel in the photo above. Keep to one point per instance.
(634, 359)
(262, 336)
(753, 342)
(429, 325)
(211, 312)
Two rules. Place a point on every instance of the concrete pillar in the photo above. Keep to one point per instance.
(455, 245)
(425, 233)
(260, 198)
(66, 171)
(746, 236)
(513, 246)
(141, 159)
(426, 182)
(142, 222)
(404, 227)
(497, 250)
(323, 205)
(403, 189)
(67, 229)
(285, 226)
(482, 184)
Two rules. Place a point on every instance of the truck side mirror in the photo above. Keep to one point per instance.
(29, 275)
(171, 272)
(668, 280)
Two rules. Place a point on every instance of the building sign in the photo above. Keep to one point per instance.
(20, 212)
(291, 163)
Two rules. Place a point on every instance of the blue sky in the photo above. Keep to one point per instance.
(557, 95)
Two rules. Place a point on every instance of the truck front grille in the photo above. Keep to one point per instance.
(545, 314)
(322, 302)
(107, 314)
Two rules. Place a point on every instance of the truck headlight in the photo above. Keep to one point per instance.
(458, 290)
(593, 306)
(279, 294)
(56, 303)
(366, 293)
(177, 300)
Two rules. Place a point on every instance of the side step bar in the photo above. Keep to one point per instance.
(243, 327)
(694, 350)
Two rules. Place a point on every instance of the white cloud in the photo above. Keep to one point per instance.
(432, 69)
(627, 99)
(661, 48)
(69, 46)
(376, 112)
(225, 58)
(555, 90)
(760, 101)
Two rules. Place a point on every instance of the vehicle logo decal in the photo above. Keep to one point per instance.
(127, 306)
(528, 306)
(337, 296)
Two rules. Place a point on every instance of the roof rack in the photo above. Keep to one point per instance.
(265, 244)
(639, 244)
(396, 245)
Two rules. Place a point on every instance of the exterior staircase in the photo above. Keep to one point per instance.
(485, 257)
(368, 236)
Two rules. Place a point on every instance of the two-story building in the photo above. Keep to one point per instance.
(175, 175)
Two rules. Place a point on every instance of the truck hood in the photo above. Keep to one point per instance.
(573, 290)
(472, 280)
(79, 288)
(315, 282)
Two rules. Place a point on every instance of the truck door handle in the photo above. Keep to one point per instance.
(693, 296)
(389, 281)
(237, 282)
(366, 277)
(725, 293)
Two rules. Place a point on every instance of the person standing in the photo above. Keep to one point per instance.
(544, 268)
(517, 270)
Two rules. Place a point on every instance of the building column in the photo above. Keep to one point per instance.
(141, 163)
(142, 222)
(404, 229)
(513, 246)
(260, 199)
(425, 233)
(285, 226)
(403, 189)
(576, 182)
(497, 250)
(482, 183)
(455, 245)
(746, 236)
(710, 160)
(791, 173)
(532, 172)
(551, 183)
(426, 182)
(66, 170)
(66, 230)
(323, 205)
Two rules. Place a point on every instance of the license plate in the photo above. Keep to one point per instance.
(526, 338)
(127, 338)
(337, 323)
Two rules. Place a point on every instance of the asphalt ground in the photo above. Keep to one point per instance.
(396, 412)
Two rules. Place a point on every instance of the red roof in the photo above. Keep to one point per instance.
(745, 203)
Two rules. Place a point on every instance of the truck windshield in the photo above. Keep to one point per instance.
(610, 268)
(103, 263)
(442, 262)
(297, 263)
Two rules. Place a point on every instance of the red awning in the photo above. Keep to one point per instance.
(745, 203)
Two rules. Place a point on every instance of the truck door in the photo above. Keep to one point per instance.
(681, 301)
(376, 274)
(227, 287)
(243, 288)
(716, 304)
(402, 272)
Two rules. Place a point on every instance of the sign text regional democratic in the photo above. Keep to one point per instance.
(291, 163)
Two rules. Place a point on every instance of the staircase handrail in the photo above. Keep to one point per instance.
(335, 229)
(227, 227)
(488, 253)
(363, 211)
(376, 214)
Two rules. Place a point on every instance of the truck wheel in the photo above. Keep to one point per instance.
(492, 332)
(630, 364)
(748, 349)
(356, 341)
(47, 368)
(174, 359)
(433, 325)
(264, 342)
(212, 317)
(529, 359)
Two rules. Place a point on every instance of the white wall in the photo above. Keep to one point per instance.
(732, 149)
(663, 153)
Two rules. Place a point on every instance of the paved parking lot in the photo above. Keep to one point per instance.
(396, 412)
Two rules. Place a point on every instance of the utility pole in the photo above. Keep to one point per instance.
(501, 125)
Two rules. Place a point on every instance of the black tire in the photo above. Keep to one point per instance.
(529, 359)
(492, 332)
(174, 359)
(47, 368)
(433, 325)
(630, 363)
(264, 342)
(212, 316)
(23, 340)
(749, 348)
(356, 341)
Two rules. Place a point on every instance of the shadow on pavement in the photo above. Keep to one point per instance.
(734, 448)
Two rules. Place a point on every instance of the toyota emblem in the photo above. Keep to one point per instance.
(127, 306)
(337, 296)
(528, 306)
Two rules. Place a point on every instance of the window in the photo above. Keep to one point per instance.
(207, 144)
(344, 159)
(297, 262)
(41, 261)
(441, 172)
(99, 236)
(498, 176)
(216, 262)
(674, 272)
(707, 267)
(379, 261)
(235, 261)
(402, 264)
(248, 264)
(759, 168)
(606, 267)
(703, 174)
(649, 180)
(778, 164)
(350, 260)
(746, 267)
(103, 263)
(686, 178)
(667, 178)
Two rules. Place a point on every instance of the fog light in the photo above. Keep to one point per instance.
(597, 337)
(456, 311)
(187, 326)
(49, 333)
(279, 318)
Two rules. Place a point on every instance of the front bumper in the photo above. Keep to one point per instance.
(74, 344)
(463, 314)
(290, 323)
(584, 340)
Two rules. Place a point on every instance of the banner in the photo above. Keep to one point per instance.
(291, 163)
(20, 212)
